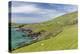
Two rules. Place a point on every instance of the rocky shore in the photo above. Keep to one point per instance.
(29, 32)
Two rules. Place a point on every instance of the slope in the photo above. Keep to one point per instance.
(61, 34)
(65, 40)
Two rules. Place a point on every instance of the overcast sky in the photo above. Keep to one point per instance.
(30, 12)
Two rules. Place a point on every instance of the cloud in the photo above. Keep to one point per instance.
(28, 20)
(24, 12)
(24, 9)
(32, 8)
(64, 7)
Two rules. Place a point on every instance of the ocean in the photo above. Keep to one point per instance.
(19, 38)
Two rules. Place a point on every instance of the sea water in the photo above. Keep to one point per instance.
(17, 39)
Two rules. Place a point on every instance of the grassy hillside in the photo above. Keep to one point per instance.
(65, 40)
(60, 33)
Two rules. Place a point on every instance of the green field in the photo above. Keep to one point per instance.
(60, 34)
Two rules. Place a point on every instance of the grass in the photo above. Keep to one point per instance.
(66, 39)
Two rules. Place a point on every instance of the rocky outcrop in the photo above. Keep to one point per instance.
(30, 33)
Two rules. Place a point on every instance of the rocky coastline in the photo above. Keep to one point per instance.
(29, 32)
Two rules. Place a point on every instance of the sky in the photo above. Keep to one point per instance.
(31, 12)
